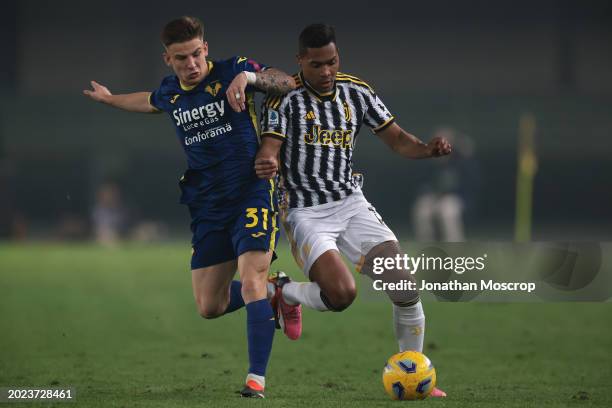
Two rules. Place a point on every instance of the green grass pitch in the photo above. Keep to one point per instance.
(121, 327)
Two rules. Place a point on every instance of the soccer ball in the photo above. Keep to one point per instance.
(409, 375)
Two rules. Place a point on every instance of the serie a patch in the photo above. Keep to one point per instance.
(273, 118)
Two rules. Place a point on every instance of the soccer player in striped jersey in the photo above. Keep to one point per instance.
(233, 212)
(313, 130)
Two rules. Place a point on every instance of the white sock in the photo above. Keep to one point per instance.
(305, 293)
(261, 380)
(409, 325)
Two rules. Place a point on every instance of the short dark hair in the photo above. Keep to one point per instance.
(182, 29)
(316, 36)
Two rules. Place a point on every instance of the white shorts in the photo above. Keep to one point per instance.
(351, 226)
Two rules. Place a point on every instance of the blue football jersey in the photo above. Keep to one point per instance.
(220, 144)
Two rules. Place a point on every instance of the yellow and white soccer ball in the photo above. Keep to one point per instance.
(409, 375)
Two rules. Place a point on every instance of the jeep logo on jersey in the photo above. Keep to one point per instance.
(213, 89)
(326, 137)
(204, 113)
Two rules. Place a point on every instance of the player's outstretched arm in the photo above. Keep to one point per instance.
(271, 81)
(266, 161)
(410, 146)
(133, 102)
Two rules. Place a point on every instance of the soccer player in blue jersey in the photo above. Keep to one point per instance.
(233, 212)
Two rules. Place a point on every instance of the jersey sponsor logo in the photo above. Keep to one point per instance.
(310, 116)
(174, 98)
(273, 118)
(205, 114)
(208, 134)
(213, 89)
(329, 137)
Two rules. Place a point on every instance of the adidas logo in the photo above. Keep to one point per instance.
(310, 116)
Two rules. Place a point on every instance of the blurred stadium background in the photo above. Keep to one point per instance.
(120, 325)
(477, 67)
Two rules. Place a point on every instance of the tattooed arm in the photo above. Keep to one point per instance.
(272, 81)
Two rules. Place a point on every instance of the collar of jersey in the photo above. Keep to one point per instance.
(327, 96)
(189, 88)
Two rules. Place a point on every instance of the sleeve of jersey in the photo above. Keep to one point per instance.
(377, 116)
(156, 101)
(247, 64)
(274, 118)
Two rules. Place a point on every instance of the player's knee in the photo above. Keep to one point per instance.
(341, 297)
(346, 298)
(387, 249)
(210, 310)
(252, 286)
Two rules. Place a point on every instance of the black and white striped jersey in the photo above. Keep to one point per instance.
(319, 133)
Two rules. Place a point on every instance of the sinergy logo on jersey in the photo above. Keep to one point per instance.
(200, 116)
